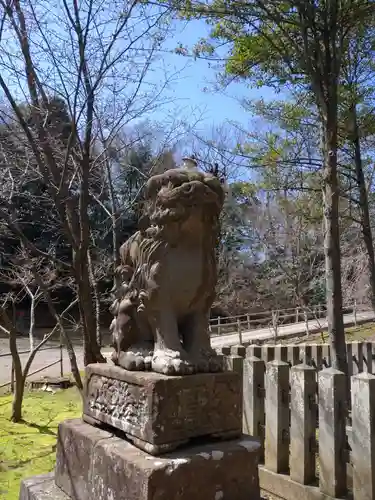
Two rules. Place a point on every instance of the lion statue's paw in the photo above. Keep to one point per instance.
(169, 362)
(137, 358)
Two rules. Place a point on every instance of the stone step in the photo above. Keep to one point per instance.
(95, 464)
(41, 487)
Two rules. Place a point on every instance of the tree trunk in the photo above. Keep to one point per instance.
(92, 352)
(91, 349)
(96, 299)
(32, 322)
(363, 205)
(332, 240)
(16, 415)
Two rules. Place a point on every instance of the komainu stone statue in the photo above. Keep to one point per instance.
(168, 274)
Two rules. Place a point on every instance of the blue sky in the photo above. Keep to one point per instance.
(191, 93)
(194, 90)
(191, 97)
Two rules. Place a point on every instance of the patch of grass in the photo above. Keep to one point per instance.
(360, 332)
(355, 333)
(29, 448)
(364, 332)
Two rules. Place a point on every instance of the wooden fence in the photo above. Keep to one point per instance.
(300, 413)
(274, 319)
(359, 354)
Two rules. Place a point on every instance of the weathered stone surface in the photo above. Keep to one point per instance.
(303, 423)
(281, 352)
(159, 412)
(277, 416)
(253, 401)
(317, 356)
(238, 350)
(41, 488)
(167, 276)
(282, 486)
(117, 470)
(76, 441)
(362, 442)
(332, 437)
(357, 350)
(294, 357)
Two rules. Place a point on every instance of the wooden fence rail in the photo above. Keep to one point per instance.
(273, 319)
(300, 414)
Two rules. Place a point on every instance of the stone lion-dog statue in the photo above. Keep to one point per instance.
(168, 275)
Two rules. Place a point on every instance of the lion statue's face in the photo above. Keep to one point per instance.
(190, 199)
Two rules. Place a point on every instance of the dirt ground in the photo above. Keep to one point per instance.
(42, 359)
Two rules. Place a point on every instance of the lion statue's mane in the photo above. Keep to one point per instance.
(181, 208)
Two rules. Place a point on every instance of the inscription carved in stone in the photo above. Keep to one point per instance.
(117, 399)
(161, 410)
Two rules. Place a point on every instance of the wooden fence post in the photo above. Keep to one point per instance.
(363, 438)
(277, 417)
(239, 331)
(297, 314)
(357, 350)
(234, 363)
(303, 424)
(218, 326)
(326, 353)
(238, 350)
(367, 357)
(317, 356)
(307, 354)
(253, 399)
(248, 321)
(332, 435)
(281, 352)
(254, 350)
(349, 357)
(275, 320)
(306, 322)
(294, 357)
(355, 312)
(268, 353)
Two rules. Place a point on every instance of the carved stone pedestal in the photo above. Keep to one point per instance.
(196, 416)
(159, 413)
(93, 464)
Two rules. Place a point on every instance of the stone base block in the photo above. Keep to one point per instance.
(159, 413)
(93, 464)
(41, 488)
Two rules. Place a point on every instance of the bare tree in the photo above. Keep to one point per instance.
(61, 65)
(31, 281)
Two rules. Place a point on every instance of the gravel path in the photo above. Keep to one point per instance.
(42, 359)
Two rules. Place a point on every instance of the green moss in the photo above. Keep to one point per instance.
(361, 332)
(353, 333)
(28, 448)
